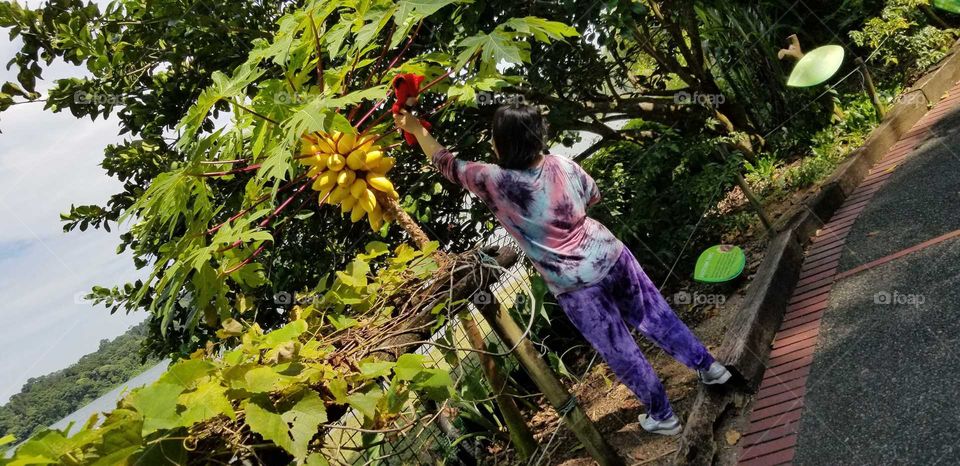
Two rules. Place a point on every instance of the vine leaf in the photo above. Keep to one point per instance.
(366, 403)
(45, 445)
(187, 372)
(304, 418)
(409, 365)
(157, 403)
(291, 430)
(316, 459)
(435, 383)
(260, 380)
(375, 369)
(286, 333)
(208, 400)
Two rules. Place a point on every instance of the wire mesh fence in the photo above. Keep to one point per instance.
(429, 435)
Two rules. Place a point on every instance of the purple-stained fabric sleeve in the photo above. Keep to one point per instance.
(591, 193)
(594, 192)
(470, 175)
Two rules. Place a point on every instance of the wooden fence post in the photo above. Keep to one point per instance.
(871, 89)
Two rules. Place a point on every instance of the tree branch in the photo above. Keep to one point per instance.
(603, 142)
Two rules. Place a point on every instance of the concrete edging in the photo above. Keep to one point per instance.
(750, 332)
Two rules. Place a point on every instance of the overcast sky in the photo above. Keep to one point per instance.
(47, 162)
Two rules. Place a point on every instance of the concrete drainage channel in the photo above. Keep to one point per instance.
(746, 346)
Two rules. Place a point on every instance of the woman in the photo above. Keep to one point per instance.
(541, 200)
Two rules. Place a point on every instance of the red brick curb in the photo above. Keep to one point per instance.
(897, 255)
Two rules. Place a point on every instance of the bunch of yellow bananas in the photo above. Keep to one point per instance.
(347, 172)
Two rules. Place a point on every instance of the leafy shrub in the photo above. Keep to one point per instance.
(268, 397)
(904, 42)
(763, 175)
(832, 144)
(655, 192)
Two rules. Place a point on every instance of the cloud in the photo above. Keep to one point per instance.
(47, 162)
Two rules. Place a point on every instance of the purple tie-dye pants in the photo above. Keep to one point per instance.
(626, 296)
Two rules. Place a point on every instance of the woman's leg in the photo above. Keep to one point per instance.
(643, 307)
(596, 316)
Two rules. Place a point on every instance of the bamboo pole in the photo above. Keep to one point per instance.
(543, 376)
(757, 206)
(751, 197)
(520, 433)
(871, 89)
(934, 17)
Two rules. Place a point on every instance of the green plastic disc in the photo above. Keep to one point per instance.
(953, 6)
(817, 66)
(720, 263)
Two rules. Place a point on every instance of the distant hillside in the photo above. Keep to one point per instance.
(46, 399)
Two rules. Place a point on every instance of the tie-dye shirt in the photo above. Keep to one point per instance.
(544, 209)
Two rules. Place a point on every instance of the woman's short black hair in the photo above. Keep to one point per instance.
(519, 132)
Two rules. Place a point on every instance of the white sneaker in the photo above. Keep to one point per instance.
(668, 426)
(715, 375)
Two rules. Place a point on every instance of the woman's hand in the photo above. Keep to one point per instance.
(408, 123)
(411, 124)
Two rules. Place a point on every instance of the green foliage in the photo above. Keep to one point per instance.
(256, 391)
(47, 399)
(500, 47)
(764, 169)
(778, 173)
(832, 144)
(743, 44)
(654, 194)
(905, 43)
(245, 80)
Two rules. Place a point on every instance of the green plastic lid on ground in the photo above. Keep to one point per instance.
(817, 66)
(953, 6)
(720, 263)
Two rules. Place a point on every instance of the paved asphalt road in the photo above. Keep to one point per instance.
(920, 201)
(885, 383)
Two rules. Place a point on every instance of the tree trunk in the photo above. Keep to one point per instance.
(394, 211)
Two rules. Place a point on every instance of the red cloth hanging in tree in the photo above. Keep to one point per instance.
(405, 87)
